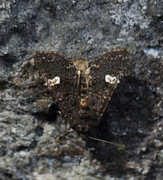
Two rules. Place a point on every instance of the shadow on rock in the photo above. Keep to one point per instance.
(127, 121)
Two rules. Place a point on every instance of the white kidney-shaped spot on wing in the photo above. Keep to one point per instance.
(52, 82)
(111, 79)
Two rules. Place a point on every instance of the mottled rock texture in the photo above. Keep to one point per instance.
(29, 124)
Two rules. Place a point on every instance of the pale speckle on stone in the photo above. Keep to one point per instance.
(151, 51)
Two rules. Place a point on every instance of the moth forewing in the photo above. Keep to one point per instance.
(54, 81)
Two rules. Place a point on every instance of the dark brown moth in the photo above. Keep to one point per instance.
(82, 89)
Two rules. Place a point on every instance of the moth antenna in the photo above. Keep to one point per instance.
(107, 142)
(64, 134)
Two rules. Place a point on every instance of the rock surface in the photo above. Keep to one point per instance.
(29, 128)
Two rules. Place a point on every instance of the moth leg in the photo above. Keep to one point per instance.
(64, 134)
(87, 75)
(78, 81)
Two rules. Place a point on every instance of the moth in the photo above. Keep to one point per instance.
(82, 89)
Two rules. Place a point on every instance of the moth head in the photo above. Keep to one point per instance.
(52, 82)
(81, 64)
(111, 79)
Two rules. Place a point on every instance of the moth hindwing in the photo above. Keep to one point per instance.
(82, 89)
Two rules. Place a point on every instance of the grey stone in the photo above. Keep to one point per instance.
(30, 147)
